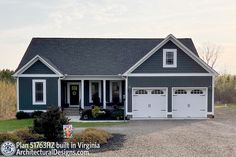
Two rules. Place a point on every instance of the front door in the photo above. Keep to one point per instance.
(74, 95)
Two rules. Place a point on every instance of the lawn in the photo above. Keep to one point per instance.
(14, 124)
(231, 106)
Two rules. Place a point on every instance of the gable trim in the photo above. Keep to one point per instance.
(168, 74)
(19, 73)
(181, 46)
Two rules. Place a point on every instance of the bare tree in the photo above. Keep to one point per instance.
(210, 53)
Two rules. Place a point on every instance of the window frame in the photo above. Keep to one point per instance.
(174, 65)
(183, 92)
(142, 93)
(120, 90)
(99, 90)
(34, 92)
(197, 91)
(160, 92)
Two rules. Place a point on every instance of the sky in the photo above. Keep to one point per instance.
(205, 21)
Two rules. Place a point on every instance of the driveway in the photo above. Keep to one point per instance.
(212, 137)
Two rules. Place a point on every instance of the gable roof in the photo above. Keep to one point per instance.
(21, 70)
(93, 56)
(178, 43)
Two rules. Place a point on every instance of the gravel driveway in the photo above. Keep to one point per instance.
(212, 137)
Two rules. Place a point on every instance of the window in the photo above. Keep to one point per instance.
(196, 91)
(141, 91)
(39, 92)
(157, 91)
(180, 91)
(94, 89)
(169, 58)
(115, 91)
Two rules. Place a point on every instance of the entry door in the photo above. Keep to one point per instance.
(74, 95)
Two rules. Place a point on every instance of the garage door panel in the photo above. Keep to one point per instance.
(189, 102)
(150, 103)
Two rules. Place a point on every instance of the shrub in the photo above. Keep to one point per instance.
(86, 114)
(118, 114)
(9, 137)
(96, 112)
(106, 114)
(27, 135)
(22, 115)
(91, 135)
(50, 124)
(36, 114)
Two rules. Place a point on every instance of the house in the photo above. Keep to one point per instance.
(149, 78)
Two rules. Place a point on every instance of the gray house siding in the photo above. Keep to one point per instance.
(38, 68)
(185, 64)
(177, 81)
(25, 93)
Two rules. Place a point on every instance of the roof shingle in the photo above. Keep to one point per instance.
(93, 56)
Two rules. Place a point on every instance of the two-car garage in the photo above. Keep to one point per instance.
(186, 102)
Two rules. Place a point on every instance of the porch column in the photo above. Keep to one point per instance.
(59, 92)
(104, 94)
(126, 95)
(82, 94)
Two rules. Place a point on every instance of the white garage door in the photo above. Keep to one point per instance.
(149, 103)
(189, 102)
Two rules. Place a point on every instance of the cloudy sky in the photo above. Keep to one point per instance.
(205, 21)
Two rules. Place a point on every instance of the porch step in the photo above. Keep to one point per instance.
(71, 111)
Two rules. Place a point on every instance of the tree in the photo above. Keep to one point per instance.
(210, 53)
(6, 75)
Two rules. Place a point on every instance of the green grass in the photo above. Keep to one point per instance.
(95, 124)
(231, 106)
(14, 124)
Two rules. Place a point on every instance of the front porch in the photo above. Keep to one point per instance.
(80, 93)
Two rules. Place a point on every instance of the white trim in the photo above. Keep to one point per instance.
(172, 93)
(126, 97)
(44, 92)
(37, 75)
(82, 94)
(68, 92)
(120, 91)
(104, 94)
(95, 78)
(181, 46)
(168, 74)
(59, 92)
(165, 88)
(213, 95)
(174, 65)
(199, 118)
(29, 111)
(31, 62)
(90, 89)
(17, 94)
(210, 113)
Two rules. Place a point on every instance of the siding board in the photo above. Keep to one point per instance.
(154, 64)
(25, 93)
(187, 81)
(38, 68)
